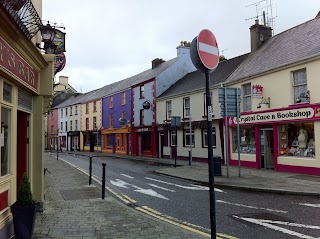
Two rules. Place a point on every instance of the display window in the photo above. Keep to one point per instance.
(5, 141)
(247, 140)
(297, 139)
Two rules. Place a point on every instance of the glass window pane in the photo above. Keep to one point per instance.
(5, 140)
(7, 92)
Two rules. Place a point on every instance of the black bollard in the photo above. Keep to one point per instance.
(103, 180)
(90, 170)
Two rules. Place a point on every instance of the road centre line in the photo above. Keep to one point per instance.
(193, 187)
(253, 207)
(156, 186)
(310, 205)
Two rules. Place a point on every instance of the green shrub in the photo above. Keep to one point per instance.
(24, 192)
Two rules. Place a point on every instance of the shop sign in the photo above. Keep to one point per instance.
(16, 65)
(60, 41)
(257, 91)
(284, 115)
(143, 130)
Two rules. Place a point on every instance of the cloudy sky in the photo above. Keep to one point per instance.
(110, 40)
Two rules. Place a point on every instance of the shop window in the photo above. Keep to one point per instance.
(146, 141)
(97, 140)
(110, 140)
(205, 138)
(86, 140)
(247, 140)
(168, 109)
(186, 107)
(5, 141)
(299, 84)
(246, 88)
(297, 139)
(173, 138)
(188, 138)
(7, 92)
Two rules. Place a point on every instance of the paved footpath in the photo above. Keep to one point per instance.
(74, 210)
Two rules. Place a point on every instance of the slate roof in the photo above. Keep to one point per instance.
(289, 47)
(196, 80)
(128, 82)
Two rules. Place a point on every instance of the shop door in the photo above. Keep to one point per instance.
(266, 149)
(161, 144)
(22, 145)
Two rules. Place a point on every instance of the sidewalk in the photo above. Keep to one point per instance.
(251, 179)
(74, 210)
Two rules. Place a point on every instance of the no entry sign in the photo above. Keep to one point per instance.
(204, 51)
(208, 49)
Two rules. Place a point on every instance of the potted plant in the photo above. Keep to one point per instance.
(24, 211)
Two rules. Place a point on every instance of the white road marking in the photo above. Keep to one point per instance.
(291, 224)
(156, 186)
(280, 229)
(125, 175)
(119, 183)
(123, 184)
(193, 187)
(253, 207)
(310, 205)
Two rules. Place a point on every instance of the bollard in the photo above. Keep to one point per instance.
(90, 170)
(57, 152)
(103, 180)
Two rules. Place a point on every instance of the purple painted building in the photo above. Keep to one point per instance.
(116, 122)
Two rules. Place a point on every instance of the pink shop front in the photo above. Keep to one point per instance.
(286, 139)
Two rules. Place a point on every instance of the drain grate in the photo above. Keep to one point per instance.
(78, 194)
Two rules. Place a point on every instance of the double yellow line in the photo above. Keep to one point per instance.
(185, 225)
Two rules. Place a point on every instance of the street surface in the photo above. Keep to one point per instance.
(239, 214)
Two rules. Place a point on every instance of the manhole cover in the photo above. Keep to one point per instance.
(78, 194)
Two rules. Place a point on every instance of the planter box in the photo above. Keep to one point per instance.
(23, 220)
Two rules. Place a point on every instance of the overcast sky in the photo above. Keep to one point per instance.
(110, 40)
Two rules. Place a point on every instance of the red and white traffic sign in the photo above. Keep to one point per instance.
(208, 50)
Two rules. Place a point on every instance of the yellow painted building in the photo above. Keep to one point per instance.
(280, 109)
(26, 81)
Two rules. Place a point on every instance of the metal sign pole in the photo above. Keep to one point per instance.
(238, 130)
(226, 130)
(210, 157)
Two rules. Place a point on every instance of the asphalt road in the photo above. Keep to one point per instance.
(239, 214)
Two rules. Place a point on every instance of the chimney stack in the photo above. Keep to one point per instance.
(156, 62)
(259, 34)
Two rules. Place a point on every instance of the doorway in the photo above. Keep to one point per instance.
(22, 145)
(266, 148)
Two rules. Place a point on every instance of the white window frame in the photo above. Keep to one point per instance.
(173, 138)
(168, 109)
(214, 138)
(299, 86)
(188, 133)
(247, 99)
(70, 125)
(186, 109)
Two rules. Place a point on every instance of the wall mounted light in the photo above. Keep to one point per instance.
(304, 95)
(264, 101)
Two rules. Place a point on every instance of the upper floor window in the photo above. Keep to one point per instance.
(76, 110)
(87, 108)
(66, 126)
(7, 92)
(95, 106)
(70, 125)
(123, 115)
(66, 111)
(246, 88)
(141, 91)
(186, 107)
(76, 125)
(94, 123)
(61, 113)
(300, 85)
(70, 110)
(87, 123)
(61, 125)
(168, 109)
(111, 102)
(123, 102)
(141, 117)
(51, 129)
(111, 120)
